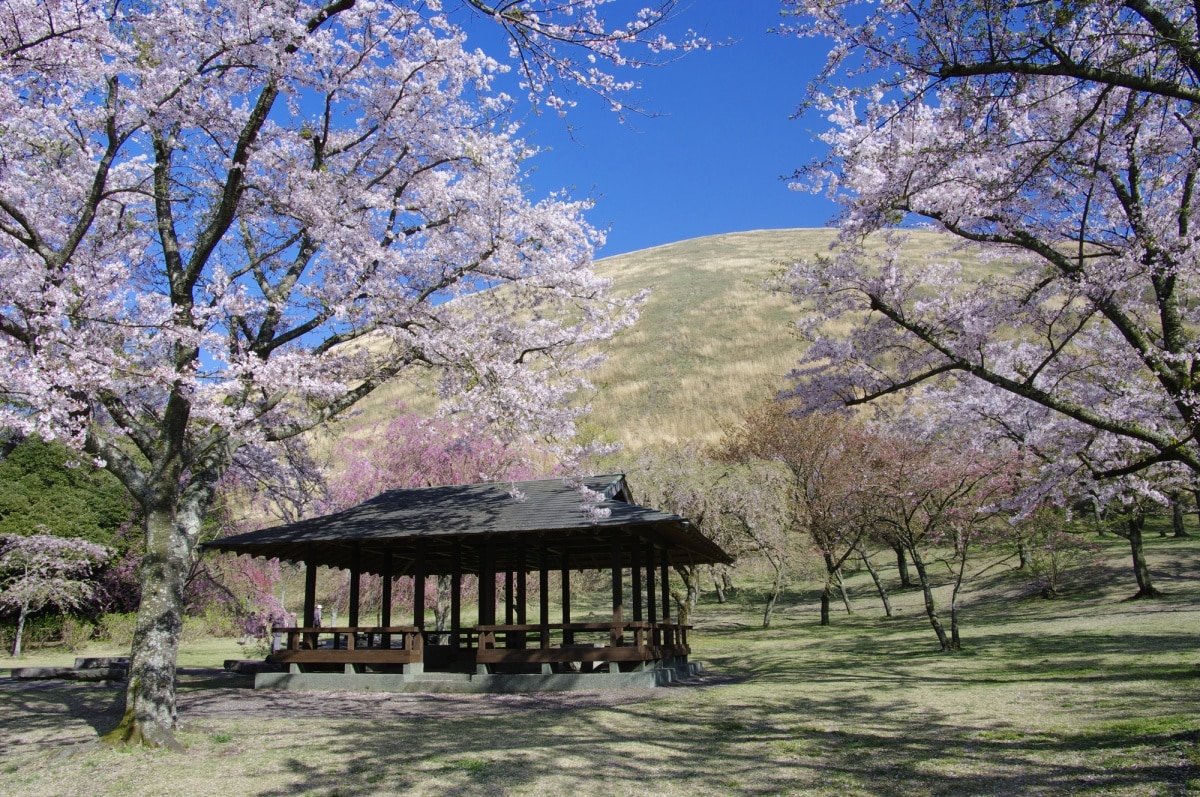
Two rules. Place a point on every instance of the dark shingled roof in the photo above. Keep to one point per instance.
(520, 522)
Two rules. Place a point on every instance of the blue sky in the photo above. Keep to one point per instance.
(711, 160)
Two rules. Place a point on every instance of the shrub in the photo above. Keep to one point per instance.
(76, 633)
(1054, 549)
(216, 621)
(39, 631)
(117, 628)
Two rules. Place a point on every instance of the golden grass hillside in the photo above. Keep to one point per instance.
(711, 341)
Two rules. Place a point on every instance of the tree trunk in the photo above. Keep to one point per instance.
(727, 580)
(1177, 517)
(16, 651)
(837, 573)
(1196, 495)
(773, 594)
(955, 638)
(930, 607)
(833, 571)
(1097, 518)
(879, 587)
(441, 603)
(685, 601)
(717, 585)
(1141, 570)
(902, 567)
(150, 695)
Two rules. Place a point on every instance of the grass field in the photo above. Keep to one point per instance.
(1088, 694)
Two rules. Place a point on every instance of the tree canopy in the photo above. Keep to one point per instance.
(1061, 142)
(222, 224)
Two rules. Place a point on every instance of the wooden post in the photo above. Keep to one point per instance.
(618, 594)
(310, 598)
(456, 596)
(522, 577)
(544, 594)
(310, 592)
(419, 588)
(635, 569)
(651, 598)
(385, 599)
(355, 585)
(568, 636)
(487, 585)
(665, 574)
(508, 596)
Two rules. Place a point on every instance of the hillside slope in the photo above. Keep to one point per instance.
(711, 341)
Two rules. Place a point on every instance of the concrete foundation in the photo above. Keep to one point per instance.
(655, 674)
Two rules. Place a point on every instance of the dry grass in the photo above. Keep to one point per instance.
(711, 342)
(1085, 695)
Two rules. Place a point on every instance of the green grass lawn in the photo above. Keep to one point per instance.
(1087, 694)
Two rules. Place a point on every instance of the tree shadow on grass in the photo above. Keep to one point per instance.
(759, 746)
(50, 714)
(32, 712)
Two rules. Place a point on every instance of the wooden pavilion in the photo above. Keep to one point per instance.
(501, 533)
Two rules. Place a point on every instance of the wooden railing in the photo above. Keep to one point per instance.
(583, 642)
(396, 644)
(632, 641)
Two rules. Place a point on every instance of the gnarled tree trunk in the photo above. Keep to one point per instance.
(902, 567)
(879, 586)
(150, 715)
(930, 606)
(1141, 570)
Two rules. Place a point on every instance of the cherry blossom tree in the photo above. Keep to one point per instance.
(938, 498)
(826, 483)
(1057, 459)
(40, 570)
(222, 224)
(1061, 144)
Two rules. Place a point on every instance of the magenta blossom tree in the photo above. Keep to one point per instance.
(222, 224)
(411, 451)
(1061, 142)
(40, 570)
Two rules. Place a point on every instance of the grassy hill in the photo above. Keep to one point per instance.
(711, 341)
